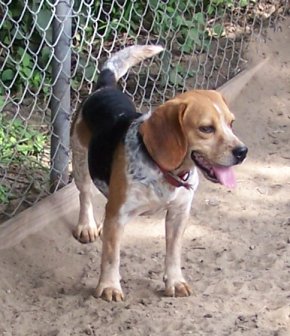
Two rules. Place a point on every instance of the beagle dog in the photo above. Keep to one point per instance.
(147, 162)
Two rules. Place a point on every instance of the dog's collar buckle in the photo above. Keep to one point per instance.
(179, 180)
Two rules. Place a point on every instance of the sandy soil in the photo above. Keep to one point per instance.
(236, 247)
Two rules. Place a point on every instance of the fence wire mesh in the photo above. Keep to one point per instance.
(50, 53)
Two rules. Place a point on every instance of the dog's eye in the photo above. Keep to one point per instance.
(207, 129)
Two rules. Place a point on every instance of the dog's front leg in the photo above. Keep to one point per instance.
(176, 219)
(109, 287)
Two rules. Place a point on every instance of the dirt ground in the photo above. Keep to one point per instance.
(236, 248)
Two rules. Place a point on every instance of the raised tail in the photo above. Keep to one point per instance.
(119, 64)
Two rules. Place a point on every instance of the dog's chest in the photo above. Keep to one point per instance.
(147, 189)
(143, 196)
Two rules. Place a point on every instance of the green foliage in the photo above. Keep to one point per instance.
(129, 20)
(20, 143)
(4, 194)
(21, 147)
(21, 72)
(184, 20)
(27, 63)
(24, 59)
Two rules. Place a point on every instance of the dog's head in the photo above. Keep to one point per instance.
(195, 127)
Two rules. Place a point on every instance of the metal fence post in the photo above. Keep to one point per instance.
(60, 101)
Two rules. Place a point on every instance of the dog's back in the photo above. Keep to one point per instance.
(107, 108)
(108, 112)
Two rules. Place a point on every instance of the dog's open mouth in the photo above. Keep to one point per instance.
(217, 174)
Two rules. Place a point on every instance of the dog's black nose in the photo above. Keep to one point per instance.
(240, 153)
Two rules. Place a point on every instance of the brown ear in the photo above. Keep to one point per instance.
(163, 135)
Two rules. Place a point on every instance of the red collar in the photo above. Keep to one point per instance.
(177, 180)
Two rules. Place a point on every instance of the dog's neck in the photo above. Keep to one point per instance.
(176, 179)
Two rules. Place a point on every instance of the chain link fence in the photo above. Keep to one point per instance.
(50, 53)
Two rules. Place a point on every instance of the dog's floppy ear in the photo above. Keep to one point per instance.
(163, 135)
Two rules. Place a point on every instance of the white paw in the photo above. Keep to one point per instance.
(109, 293)
(178, 289)
(85, 233)
(176, 286)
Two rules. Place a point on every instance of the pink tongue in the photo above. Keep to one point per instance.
(226, 176)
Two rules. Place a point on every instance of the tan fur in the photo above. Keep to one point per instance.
(112, 231)
(172, 132)
(209, 108)
(163, 135)
(118, 183)
(83, 133)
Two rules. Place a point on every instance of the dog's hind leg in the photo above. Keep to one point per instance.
(86, 230)
(109, 287)
(117, 213)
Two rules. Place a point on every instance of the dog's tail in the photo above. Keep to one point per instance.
(119, 64)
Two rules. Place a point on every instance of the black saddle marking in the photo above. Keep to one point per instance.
(108, 113)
